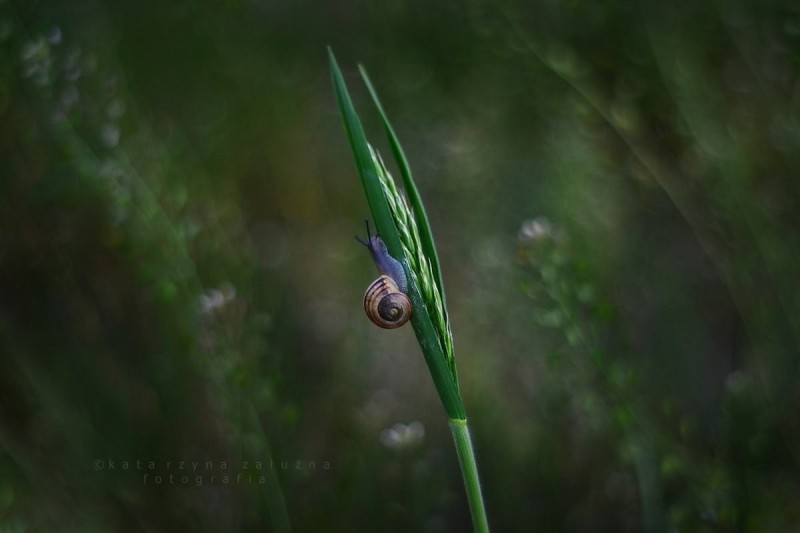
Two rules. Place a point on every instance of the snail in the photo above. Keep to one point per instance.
(385, 301)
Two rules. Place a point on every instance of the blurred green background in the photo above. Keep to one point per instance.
(614, 190)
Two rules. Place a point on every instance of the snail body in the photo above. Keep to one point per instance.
(385, 301)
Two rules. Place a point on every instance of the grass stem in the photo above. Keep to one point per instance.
(469, 471)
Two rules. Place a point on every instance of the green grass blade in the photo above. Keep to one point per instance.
(469, 470)
(270, 492)
(366, 168)
(433, 351)
(426, 236)
(436, 350)
(415, 249)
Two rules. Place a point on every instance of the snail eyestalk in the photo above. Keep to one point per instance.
(385, 263)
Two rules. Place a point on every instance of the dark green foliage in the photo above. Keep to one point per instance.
(178, 278)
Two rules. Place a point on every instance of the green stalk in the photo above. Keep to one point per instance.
(469, 471)
(406, 231)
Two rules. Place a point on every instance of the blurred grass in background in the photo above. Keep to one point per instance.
(614, 192)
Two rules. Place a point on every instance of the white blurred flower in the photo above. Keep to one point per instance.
(214, 299)
(539, 228)
(402, 437)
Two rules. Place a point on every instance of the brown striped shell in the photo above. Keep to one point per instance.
(385, 303)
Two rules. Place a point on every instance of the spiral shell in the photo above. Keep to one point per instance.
(386, 305)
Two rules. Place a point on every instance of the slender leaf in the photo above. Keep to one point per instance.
(366, 168)
(437, 351)
(433, 351)
(415, 249)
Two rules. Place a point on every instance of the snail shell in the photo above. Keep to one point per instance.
(385, 303)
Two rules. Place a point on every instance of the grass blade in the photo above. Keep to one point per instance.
(415, 249)
(436, 344)
(366, 168)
